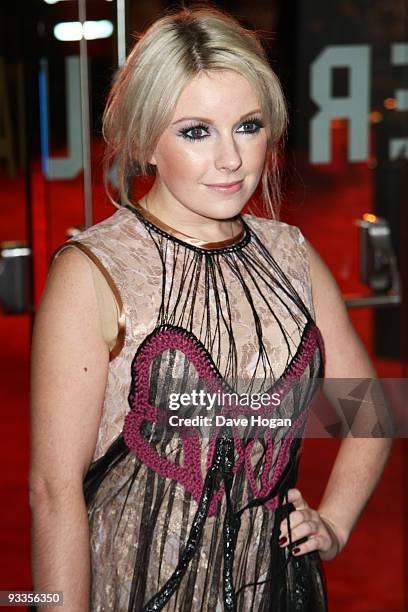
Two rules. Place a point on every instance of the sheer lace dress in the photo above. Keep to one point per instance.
(190, 521)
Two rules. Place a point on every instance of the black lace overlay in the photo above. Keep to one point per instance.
(167, 551)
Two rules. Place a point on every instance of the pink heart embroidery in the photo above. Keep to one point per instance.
(189, 474)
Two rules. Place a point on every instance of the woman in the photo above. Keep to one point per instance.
(177, 293)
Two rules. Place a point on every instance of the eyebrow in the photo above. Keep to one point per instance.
(258, 110)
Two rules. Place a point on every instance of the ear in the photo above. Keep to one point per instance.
(152, 160)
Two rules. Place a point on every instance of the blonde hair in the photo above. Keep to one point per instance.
(172, 51)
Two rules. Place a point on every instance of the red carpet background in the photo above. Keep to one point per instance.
(368, 575)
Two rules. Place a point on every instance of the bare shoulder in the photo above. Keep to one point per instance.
(67, 323)
(68, 278)
(69, 297)
(346, 356)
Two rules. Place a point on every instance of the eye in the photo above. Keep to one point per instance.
(250, 126)
(195, 132)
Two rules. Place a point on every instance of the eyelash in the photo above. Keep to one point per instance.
(202, 126)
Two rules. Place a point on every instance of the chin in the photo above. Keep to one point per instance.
(224, 211)
(225, 208)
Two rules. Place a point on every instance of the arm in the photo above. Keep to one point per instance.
(69, 363)
(360, 461)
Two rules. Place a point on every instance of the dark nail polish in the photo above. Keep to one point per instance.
(296, 550)
(282, 540)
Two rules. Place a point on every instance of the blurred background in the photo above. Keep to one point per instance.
(344, 68)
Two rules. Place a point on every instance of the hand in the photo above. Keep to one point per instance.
(321, 533)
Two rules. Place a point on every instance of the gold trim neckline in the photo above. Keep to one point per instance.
(197, 242)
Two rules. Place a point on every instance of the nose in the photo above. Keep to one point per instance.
(227, 155)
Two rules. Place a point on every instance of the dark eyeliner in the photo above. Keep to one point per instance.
(255, 121)
(195, 126)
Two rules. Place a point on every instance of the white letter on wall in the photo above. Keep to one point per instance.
(70, 166)
(354, 107)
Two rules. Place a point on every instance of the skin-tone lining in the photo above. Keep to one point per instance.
(185, 237)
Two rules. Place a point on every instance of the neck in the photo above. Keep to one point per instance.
(189, 222)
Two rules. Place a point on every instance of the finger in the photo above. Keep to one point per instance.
(303, 530)
(320, 541)
(312, 543)
(296, 498)
(294, 519)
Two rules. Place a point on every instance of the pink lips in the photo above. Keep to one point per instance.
(226, 187)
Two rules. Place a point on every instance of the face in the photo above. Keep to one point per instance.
(210, 158)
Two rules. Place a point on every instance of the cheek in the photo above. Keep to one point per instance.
(253, 152)
(257, 155)
(175, 160)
